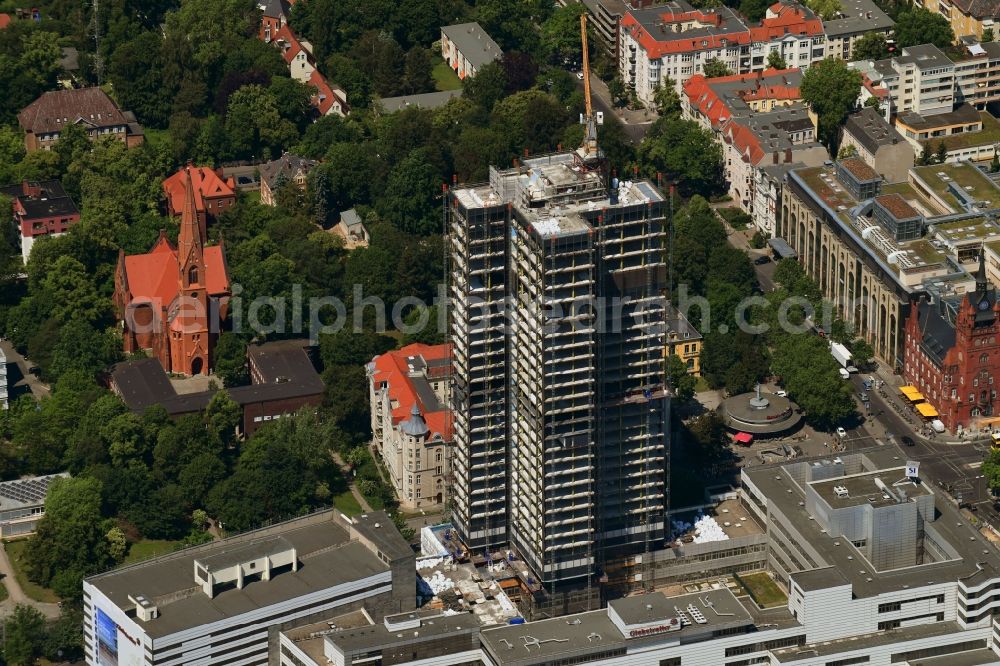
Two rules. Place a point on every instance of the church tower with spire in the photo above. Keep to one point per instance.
(189, 330)
(171, 300)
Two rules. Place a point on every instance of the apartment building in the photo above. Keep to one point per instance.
(605, 16)
(975, 74)
(784, 136)
(875, 247)
(683, 341)
(288, 168)
(760, 122)
(409, 390)
(713, 102)
(220, 602)
(768, 183)
(560, 420)
(40, 208)
(297, 54)
(675, 40)
(91, 108)
(935, 99)
(467, 48)
(967, 17)
(878, 144)
(854, 20)
(877, 567)
(921, 80)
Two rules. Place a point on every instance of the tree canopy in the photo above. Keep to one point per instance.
(831, 88)
(917, 25)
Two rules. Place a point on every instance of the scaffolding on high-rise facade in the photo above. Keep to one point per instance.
(579, 268)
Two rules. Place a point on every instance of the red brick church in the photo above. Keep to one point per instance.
(171, 301)
(953, 356)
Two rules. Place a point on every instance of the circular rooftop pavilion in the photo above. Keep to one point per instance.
(759, 414)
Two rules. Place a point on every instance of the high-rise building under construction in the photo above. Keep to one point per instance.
(558, 283)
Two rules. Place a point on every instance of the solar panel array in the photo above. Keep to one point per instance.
(27, 491)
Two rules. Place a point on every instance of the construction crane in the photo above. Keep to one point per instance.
(589, 153)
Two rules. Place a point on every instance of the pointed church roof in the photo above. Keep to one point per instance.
(189, 239)
(984, 298)
(155, 276)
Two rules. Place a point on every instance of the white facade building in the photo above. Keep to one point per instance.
(877, 570)
(675, 41)
(217, 603)
(467, 48)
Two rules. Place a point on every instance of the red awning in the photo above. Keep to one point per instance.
(744, 437)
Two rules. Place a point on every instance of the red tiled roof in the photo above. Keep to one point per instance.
(155, 277)
(4, 21)
(207, 184)
(701, 95)
(392, 368)
(656, 48)
(876, 89)
(743, 138)
(293, 48)
(324, 98)
(790, 20)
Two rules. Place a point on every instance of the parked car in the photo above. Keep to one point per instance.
(908, 441)
(841, 433)
(763, 259)
(579, 75)
(782, 393)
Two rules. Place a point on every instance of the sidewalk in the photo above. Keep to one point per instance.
(345, 468)
(892, 395)
(15, 595)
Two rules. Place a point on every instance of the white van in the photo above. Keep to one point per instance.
(844, 374)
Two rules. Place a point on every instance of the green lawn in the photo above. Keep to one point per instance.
(701, 384)
(445, 77)
(347, 503)
(369, 469)
(763, 589)
(147, 548)
(15, 551)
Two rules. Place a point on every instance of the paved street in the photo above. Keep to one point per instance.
(636, 123)
(19, 379)
(952, 463)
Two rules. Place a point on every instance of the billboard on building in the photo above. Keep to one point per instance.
(107, 640)
(115, 647)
